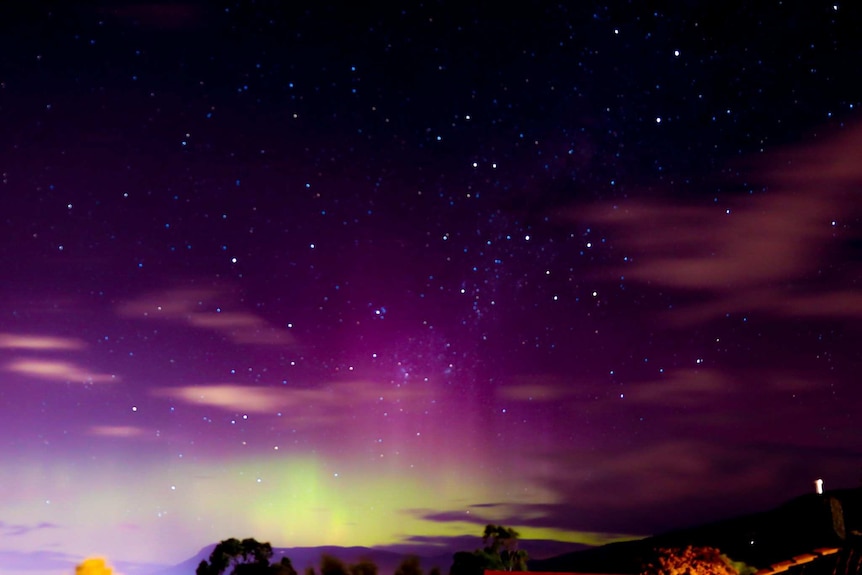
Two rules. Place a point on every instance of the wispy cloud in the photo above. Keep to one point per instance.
(206, 309)
(58, 371)
(730, 402)
(321, 405)
(17, 529)
(695, 389)
(765, 252)
(253, 399)
(116, 431)
(705, 388)
(39, 342)
(539, 388)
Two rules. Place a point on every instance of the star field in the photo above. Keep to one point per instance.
(350, 275)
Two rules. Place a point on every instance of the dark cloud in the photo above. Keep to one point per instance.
(19, 529)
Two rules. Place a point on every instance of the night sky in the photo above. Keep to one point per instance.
(366, 275)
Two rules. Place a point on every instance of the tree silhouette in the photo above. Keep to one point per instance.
(330, 565)
(689, 561)
(410, 565)
(502, 542)
(500, 553)
(363, 567)
(246, 557)
(283, 567)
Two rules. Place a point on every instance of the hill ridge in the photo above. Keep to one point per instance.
(800, 525)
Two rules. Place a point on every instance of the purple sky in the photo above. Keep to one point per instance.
(323, 275)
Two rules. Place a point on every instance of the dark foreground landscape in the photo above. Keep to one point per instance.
(810, 522)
